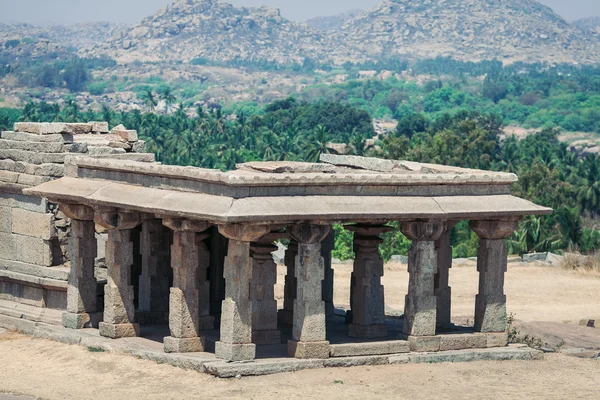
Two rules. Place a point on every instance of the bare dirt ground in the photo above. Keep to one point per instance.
(50, 370)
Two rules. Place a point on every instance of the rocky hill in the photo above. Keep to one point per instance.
(510, 30)
(215, 30)
(589, 24)
(332, 22)
(73, 37)
(468, 30)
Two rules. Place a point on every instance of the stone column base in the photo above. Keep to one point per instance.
(266, 337)
(183, 345)
(367, 331)
(235, 352)
(285, 317)
(81, 321)
(206, 323)
(117, 331)
(306, 350)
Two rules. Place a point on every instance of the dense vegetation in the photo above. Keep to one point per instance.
(550, 175)
(534, 96)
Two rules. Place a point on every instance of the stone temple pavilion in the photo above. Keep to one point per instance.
(216, 232)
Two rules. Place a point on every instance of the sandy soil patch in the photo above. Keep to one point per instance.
(50, 370)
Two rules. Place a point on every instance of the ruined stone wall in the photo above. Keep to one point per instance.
(34, 234)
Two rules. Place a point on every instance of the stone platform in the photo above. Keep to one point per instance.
(270, 359)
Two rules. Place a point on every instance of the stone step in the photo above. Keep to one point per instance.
(369, 348)
(30, 313)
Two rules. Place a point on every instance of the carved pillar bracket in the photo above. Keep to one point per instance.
(421, 305)
(490, 302)
(367, 292)
(113, 218)
(235, 343)
(262, 291)
(81, 291)
(309, 330)
(443, 291)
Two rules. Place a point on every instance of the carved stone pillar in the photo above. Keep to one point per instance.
(420, 307)
(154, 280)
(81, 292)
(443, 292)
(490, 302)
(119, 312)
(236, 315)
(368, 303)
(186, 295)
(262, 292)
(286, 315)
(309, 338)
(327, 246)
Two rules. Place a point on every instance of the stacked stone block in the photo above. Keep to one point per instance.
(34, 234)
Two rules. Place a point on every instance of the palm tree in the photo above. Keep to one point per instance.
(569, 224)
(149, 99)
(168, 96)
(317, 144)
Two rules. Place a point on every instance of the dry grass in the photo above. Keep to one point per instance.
(582, 263)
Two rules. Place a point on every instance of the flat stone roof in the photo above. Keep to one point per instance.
(342, 189)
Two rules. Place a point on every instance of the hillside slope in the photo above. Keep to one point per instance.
(510, 30)
(216, 30)
(591, 24)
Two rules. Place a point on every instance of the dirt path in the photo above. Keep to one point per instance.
(52, 370)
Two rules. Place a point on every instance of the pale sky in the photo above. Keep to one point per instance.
(130, 11)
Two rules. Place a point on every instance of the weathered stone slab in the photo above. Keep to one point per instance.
(128, 135)
(29, 203)
(7, 165)
(369, 349)
(49, 147)
(463, 341)
(32, 157)
(9, 176)
(32, 180)
(59, 273)
(33, 224)
(99, 126)
(78, 128)
(76, 147)
(32, 250)
(7, 246)
(29, 137)
(367, 163)
(54, 170)
(102, 150)
(44, 128)
(139, 146)
(5, 219)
